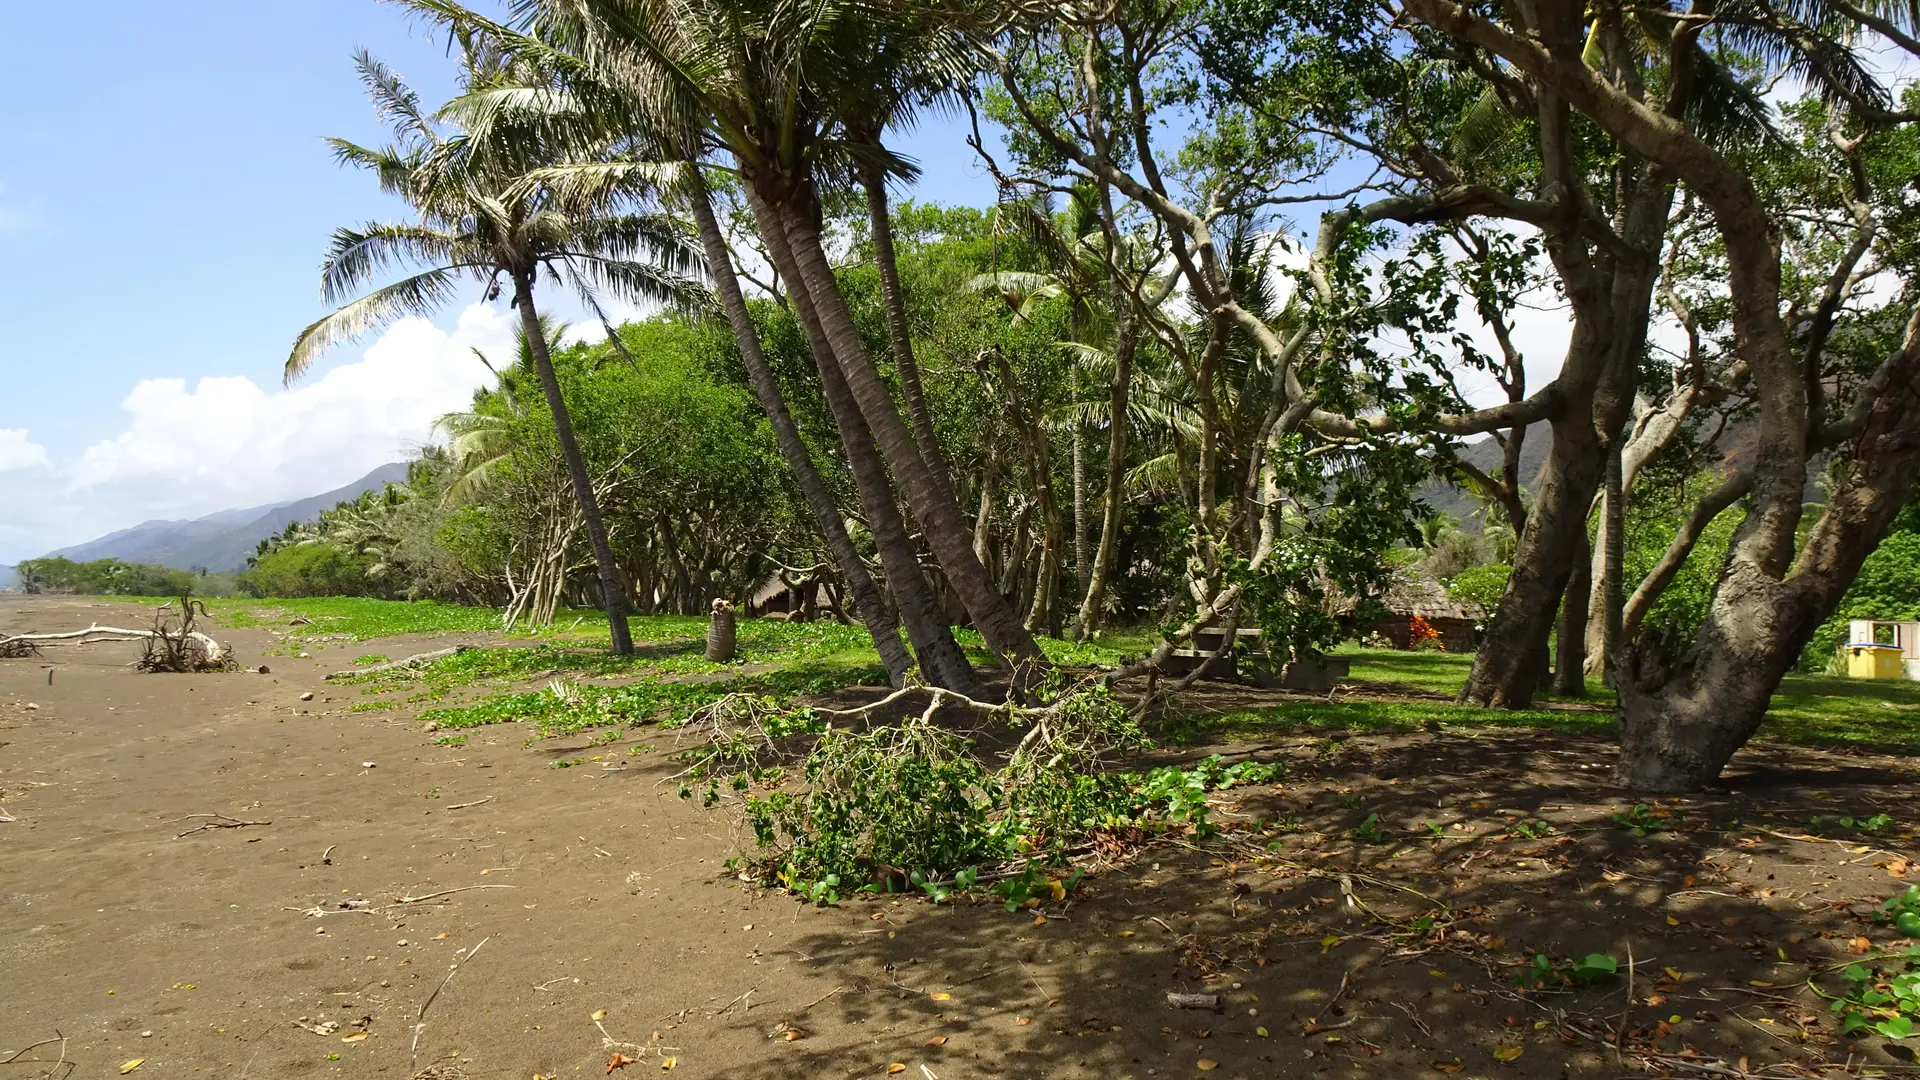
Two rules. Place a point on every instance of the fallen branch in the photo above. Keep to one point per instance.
(420, 1019)
(445, 892)
(221, 821)
(415, 660)
(197, 648)
(476, 802)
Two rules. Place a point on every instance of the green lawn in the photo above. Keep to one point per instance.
(1811, 709)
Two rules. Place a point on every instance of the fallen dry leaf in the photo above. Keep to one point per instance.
(1506, 1053)
(896, 1067)
(441, 937)
(937, 1040)
(1860, 946)
(620, 1061)
(358, 1036)
(668, 1064)
(1039, 920)
(131, 1065)
(598, 1014)
(1897, 868)
(793, 1034)
(941, 996)
(1208, 1064)
(1022, 1021)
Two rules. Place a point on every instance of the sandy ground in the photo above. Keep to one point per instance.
(592, 888)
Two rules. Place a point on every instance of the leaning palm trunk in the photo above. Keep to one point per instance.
(613, 595)
(899, 333)
(870, 604)
(938, 513)
(942, 661)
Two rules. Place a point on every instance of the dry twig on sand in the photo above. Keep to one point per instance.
(445, 892)
(420, 1019)
(61, 1066)
(220, 821)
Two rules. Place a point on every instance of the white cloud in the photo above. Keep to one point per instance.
(226, 442)
(17, 453)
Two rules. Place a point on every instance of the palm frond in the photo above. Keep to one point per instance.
(421, 294)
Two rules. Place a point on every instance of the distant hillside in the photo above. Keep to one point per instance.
(1737, 447)
(1485, 455)
(219, 541)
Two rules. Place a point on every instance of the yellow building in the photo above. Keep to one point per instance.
(1870, 658)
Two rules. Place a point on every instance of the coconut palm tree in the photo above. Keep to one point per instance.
(479, 218)
(748, 78)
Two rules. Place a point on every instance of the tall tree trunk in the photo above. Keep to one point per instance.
(942, 661)
(613, 594)
(932, 503)
(1125, 336)
(899, 331)
(1505, 670)
(1570, 666)
(871, 604)
(1079, 482)
(1613, 577)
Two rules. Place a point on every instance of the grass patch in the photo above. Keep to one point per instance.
(355, 617)
(567, 707)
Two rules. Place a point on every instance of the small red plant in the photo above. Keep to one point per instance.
(1422, 635)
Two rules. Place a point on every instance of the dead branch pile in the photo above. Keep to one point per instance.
(167, 646)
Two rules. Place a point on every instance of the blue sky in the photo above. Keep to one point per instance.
(165, 195)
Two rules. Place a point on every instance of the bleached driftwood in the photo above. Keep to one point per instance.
(201, 651)
(394, 665)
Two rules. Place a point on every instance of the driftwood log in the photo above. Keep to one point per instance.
(415, 660)
(194, 650)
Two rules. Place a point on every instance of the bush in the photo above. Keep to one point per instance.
(314, 569)
(1483, 585)
(103, 577)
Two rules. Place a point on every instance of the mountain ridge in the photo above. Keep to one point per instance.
(222, 540)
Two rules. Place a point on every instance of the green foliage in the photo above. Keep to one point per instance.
(1642, 820)
(103, 577)
(1883, 997)
(1371, 831)
(1482, 585)
(1542, 972)
(319, 568)
(914, 802)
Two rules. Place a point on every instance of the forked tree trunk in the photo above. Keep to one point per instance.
(613, 594)
(1570, 663)
(1506, 669)
(870, 604)
(933, 504)
(1682, 720)
(942, 661)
